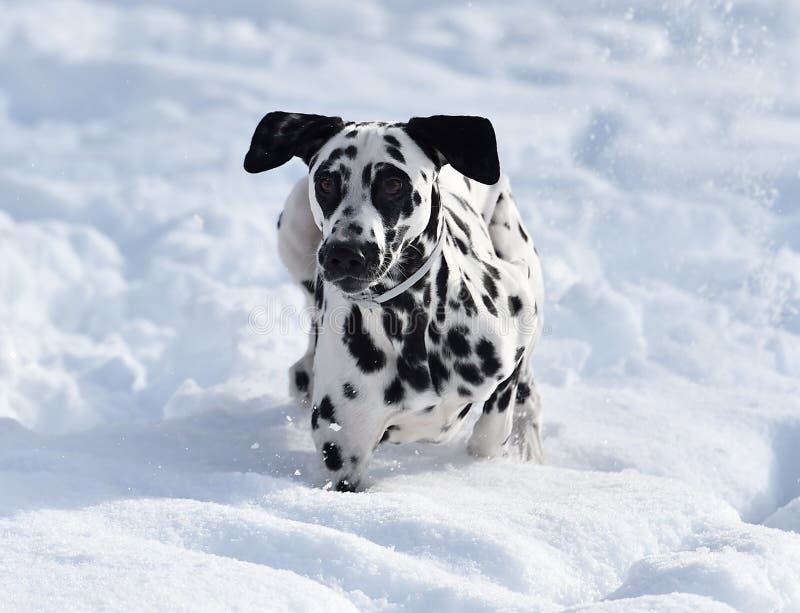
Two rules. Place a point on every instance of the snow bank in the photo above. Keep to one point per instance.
(149, 457)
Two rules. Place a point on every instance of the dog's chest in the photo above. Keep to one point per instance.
(433, 349)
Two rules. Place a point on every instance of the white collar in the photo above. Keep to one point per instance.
(368, 296)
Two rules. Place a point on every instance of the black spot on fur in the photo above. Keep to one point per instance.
(460, 223)
(466, 300)
(349, 390)
(416, 197)
(416, 374)
(392, 324)
(366, 176)
(411, 365)
(464, 391)
(467, 183)
(308, 284)
(314, 417)
(492, 270)
(360, 344)
(438, 371)
(457, 341)
(395, 392)
(485, 350)
(469, 372)
(523, 392)
(395, 153)
(434, 333)
(462, 247)
(301, 380)
(355, 228)
(432, 228)
(489, 285)
(326, 409)
(465, 411)
(504, 400)
(518, 354)
(489, 305)
(391, 140)
(346, 173)
(351, 151)
(332, 456)
(441, 312)
(514, 304)
(522, 232)
(404, 302)
(280, 216)
(490, 402)
(351, 134)
(441, 289)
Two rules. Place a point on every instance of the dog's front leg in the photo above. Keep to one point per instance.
(345, 433)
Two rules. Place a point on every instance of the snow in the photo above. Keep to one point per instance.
(149, 455)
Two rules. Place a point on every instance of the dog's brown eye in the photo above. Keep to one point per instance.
(325, 184)
(392, 186)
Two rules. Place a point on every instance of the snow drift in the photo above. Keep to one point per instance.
(149, 457)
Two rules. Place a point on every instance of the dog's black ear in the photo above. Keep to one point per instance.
(466, 143)
(279, 136)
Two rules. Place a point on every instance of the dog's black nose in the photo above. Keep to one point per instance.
(344, 260)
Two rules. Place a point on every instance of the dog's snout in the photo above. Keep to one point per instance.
(344, 260)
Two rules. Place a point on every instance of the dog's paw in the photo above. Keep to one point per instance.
(482, 447)
(525, 444)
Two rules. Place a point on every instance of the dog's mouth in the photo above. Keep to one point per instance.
(352, 285)
(357, 284)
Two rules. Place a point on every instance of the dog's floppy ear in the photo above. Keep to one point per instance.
(466, 143)
(279, 136)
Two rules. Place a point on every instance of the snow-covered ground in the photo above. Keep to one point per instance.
(149, 455)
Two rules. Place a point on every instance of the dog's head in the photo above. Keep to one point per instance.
(371, 185)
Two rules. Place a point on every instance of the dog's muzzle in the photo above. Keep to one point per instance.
(350, 265)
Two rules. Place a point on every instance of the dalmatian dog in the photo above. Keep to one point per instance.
(425, 286)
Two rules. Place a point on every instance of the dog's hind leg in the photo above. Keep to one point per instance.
(511, 420)
(493, 429)
(526, 431)
(298, 239)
